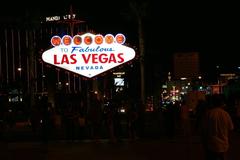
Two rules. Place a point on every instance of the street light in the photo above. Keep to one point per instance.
(20, 71)
(20, 99)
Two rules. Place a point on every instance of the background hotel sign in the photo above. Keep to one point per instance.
(88, 54)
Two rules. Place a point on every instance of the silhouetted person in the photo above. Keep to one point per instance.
(237, 114)
(69, 117)
(35, 118)
(110, 111)
(216, 126)
(185, 119)
(46, 119)
(132, 122)
(200, 112)
(170, 117)
(81, 121)
(95, 116)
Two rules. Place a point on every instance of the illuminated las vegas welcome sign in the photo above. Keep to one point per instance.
(88, 54)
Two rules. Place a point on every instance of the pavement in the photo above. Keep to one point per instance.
(20, 143)
(180, 147)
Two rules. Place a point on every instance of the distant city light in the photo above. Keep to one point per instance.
(164, 86)
(122, 110)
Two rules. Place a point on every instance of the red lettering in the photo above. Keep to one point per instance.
(55, 59)
(74, 61)
(94, 58)
(121, 59)
(112, 58)
(86, 58)
(103, 58)
(65, 59)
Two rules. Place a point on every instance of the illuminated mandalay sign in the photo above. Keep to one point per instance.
(88, 54)
(57, 18)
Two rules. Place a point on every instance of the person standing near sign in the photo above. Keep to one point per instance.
(216, 127)
(95, 116)
(185, 119)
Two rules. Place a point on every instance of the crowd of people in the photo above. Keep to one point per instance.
(78, 118)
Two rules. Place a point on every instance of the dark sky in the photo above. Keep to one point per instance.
(212, 29)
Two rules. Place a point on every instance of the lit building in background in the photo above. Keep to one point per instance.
(21, 64)
(186, 64)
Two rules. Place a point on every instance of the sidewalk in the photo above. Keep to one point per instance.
(145, 149)
(182, 148)
(141, 149)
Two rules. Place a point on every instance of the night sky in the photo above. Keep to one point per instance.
(212, 29)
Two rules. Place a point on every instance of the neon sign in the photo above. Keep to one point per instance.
(88, 54)
(57, 18)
